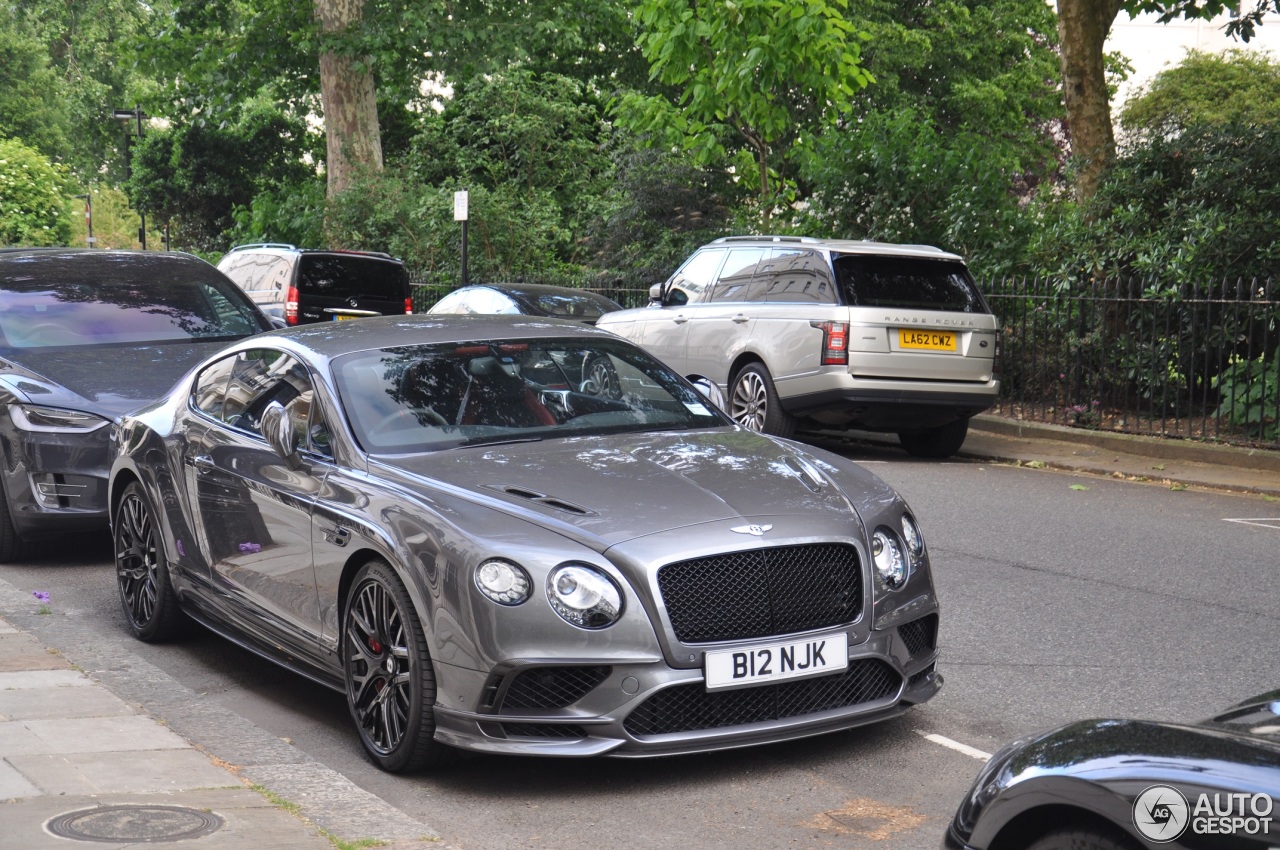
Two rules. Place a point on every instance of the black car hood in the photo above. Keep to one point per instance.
(106, 380)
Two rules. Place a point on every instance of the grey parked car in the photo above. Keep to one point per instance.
(86, 336)
(442, 520)
(829, 333)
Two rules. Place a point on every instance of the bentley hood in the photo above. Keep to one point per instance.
(630, 485)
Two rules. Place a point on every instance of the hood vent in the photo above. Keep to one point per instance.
(549, 501)
(805, 471)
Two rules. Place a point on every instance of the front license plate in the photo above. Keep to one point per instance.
(773, 662)
(927, 340)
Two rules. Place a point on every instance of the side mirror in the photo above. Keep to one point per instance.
(707, 389)
(280, 433)
(655, 294)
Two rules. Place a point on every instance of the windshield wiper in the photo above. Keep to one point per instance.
(497, 441)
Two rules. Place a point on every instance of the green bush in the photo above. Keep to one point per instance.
(1250, 392)
(33, 198)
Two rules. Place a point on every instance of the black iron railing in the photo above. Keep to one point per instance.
(1140, 357)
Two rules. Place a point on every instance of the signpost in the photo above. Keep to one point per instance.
(460, 214)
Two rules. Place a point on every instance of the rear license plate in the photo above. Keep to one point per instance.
(773, 662)
(338, 317)
(927, 340)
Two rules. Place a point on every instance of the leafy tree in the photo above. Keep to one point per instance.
(88, 45)
(538, 133)
(196, 175)
(33, 203)
(1083, 26)
(30, 106)
(753, 81)
(1233, 87)
(955, 135)
(1186, 208)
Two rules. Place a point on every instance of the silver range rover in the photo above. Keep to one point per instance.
(829, 333)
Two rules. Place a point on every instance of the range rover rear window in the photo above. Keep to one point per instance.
(347, 275)
(906, 283)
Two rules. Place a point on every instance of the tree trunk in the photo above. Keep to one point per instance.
(1083, 26)
(348, 99)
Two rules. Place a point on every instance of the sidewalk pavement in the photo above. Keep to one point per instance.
(81, 760)
(83, 763)
(1177, 464)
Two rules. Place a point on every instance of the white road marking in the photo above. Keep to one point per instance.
(971, 752)
(1263, 522)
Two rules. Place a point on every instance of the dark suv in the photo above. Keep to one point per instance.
(298, 286)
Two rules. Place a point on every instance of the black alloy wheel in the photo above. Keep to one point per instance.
(390, 683)
(142, 571)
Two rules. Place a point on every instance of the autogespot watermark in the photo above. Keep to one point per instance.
(1162, 814)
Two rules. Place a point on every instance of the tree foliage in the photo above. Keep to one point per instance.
(195, 176)
(1234, 87)
(752, 82)
(31, 105)
(33, 203)
(1185, 207)
(954, 137)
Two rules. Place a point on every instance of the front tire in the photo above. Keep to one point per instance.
(938, 442)
(754, 404)
(142, 570)
(12, 546)
(1080, 839)
(390, 683)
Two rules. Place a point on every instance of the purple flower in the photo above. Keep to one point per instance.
(42, 595)
(250, 547)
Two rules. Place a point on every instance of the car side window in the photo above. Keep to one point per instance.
(692, 283)
(799, 277)
(257, 272)
(254, 379)
(210, 390)
(737, 278)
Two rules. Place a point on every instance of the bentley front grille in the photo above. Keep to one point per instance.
(762, 592)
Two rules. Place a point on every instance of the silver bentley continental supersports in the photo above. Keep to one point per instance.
(518, 535)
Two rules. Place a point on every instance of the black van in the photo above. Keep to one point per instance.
(298, 286)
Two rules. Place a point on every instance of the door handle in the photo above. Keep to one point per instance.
(680, 319)
(203, 464)
(740, 318)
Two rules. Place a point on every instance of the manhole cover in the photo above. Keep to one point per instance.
(145, 824)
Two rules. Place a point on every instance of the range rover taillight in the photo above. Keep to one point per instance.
(291, 306)
(408, 306)
(835, 343)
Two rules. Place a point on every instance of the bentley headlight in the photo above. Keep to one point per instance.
(911, 536)
(886, 553)
(584, 596)
(503, 582)
(34, 417)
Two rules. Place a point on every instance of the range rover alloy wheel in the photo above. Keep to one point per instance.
(753, 402)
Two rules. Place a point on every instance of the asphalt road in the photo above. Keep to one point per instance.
(1064, 597)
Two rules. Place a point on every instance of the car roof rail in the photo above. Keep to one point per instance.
(809, 240)
(382, 254)
(286, 246)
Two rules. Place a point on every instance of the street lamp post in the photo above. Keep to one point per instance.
(137, 115)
